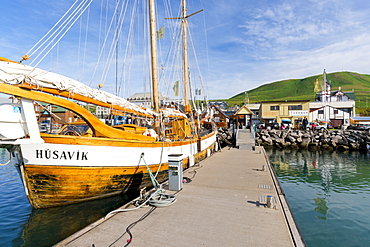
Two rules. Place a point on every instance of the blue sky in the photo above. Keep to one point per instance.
(242, 43)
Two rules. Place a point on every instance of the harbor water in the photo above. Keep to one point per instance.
(21, 225)
(328, 193)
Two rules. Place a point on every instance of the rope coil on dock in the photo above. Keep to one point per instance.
(156, 199)
(160, 200)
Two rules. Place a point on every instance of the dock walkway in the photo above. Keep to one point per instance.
(223, 205)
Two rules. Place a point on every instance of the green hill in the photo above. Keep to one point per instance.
(303, 89)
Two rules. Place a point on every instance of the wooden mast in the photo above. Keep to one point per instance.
(153, 43)
(185, 58)
(185, 54)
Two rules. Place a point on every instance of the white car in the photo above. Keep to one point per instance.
(319, 126)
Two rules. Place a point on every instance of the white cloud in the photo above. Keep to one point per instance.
(249, 43)
(287, 40)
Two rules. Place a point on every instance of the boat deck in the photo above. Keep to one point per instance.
(223, 205)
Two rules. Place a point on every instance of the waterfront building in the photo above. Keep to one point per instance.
(255, 109)
(334, 107)
(102, 112)
(219, 117)
(288, 111)
(56, 114)
(337, 116)
(145, 99)
(243, 117)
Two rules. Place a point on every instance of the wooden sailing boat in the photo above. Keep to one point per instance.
(60, 169)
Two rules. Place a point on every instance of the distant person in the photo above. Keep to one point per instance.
(305, 123)
(313, 126)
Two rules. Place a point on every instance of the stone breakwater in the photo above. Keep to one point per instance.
(314, 140)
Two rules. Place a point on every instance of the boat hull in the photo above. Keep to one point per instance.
(60, 174)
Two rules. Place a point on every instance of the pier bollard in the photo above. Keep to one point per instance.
(269, 201)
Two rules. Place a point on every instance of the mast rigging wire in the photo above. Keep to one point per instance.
(60, 32)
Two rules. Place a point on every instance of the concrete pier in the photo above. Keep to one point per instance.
(233, 199)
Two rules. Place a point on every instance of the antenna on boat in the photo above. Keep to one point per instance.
(187, 107)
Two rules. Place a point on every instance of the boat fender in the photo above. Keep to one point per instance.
(150, 132)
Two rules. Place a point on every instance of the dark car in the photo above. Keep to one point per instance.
(359, 127)
(274, 125)
(76, 129)
(268, 125)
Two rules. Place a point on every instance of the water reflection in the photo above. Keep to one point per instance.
(321, 207)
(328, 193)
(46, 227)
(345, 170)
(21, 225)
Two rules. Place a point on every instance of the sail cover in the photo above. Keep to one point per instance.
(15, 73)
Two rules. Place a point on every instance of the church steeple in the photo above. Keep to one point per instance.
(327, 84)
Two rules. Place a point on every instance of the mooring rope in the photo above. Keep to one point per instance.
(156, 199)
(10, 158)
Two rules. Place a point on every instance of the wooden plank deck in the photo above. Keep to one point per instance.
(223, 205)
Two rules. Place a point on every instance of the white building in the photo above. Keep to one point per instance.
(255, 108)
(337, 117)
(102, 112)
(145, 99)
(334, 107)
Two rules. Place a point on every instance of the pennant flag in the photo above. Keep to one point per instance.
(176, 88)
(320, 84)
(160, 33)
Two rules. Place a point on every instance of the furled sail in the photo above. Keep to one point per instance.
(16, 73)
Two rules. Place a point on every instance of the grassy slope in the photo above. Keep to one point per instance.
(303, 89)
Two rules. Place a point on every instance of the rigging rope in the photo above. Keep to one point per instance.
(60, 32)
(117, 33)
(104, 43)
(33, 47)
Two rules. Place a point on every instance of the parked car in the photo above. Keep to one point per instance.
(359, 127)
(286, 124)
(273, 125)
(75, 129)
(261, 126)
(318, 126)
(44, 125)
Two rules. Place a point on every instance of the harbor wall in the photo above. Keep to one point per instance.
(314, 140)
